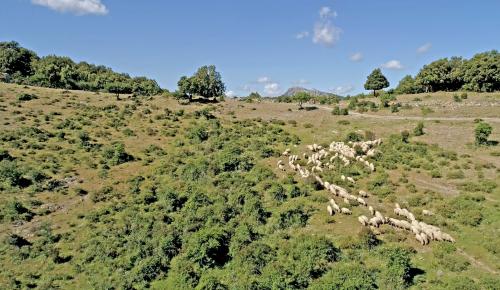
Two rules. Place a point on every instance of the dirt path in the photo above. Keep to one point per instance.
(390, 117)
(476, 262)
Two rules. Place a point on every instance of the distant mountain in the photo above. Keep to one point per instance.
(313, 92)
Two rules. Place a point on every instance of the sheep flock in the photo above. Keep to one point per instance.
(319, 159)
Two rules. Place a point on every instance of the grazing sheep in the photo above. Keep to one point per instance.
(346, 211)
(342, 177)
(361, 201)
(424, 237)
(281, 167)
(397, 205)
(346, 201)
(332, 202)
(363, 193)
(330, 210)
(448, 238)
(426, 212)
(372, 211)
(363, 220)
(350, 179)
(286, 152)
(420, 239)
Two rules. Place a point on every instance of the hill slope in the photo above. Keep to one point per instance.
(145, 192)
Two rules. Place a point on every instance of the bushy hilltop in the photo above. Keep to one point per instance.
(98, 193)
(22, 66)
(481, 73)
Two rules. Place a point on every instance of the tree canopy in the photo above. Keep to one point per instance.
(206, 83)
(23, 66)
(376, 81)
(481, 73)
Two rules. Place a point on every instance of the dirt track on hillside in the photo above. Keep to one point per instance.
(417, 118)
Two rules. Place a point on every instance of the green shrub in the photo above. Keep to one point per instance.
(455, 174)
(26, 97)
(419, 129)
(482, 132)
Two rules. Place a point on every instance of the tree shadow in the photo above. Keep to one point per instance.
(414, 272)
(204, 101)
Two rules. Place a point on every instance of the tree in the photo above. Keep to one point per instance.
(482, 72)
(482, 132)
(206, 82)
(441, 75)
(302, 97)
(407, 85)
(15, 59)
(376, 81)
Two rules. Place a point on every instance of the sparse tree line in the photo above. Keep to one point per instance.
(22, 66)
(481, 73)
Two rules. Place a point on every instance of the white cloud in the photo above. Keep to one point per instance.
(263, 80)
(78, 7)
(272, 88)
(393, 64)
(327, 12)
(358, 56)
(230, 94)
(325, 32)
(424, 48)
(302, 35)
(341, 90)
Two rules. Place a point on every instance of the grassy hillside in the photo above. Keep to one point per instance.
(97, 193)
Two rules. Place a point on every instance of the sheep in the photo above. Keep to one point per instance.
(379, 215)
(363, 193)
(318, 179)
(350, 179)
(372, 211)
(361, 201)
(342, 177)
(286, 152)
(420, 239)
(448, 238)
(397, 205)
(281, 167)
(375, 221)
(424, 237)
(426, 212)
(346, 201)
(336, 208)
(332, 202)
(346, 211)
(363, 220)
(330, 210)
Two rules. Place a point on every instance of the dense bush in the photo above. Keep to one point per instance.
(481, 73)
(25, 67)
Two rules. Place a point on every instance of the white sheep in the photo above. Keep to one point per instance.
(350, 179)
(361, 201)
(372, 211)
(330, 210)
(346, 211)
(426, 212)
(363, 193)
(363, 220)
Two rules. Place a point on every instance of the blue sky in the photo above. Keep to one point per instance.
(262, 45)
